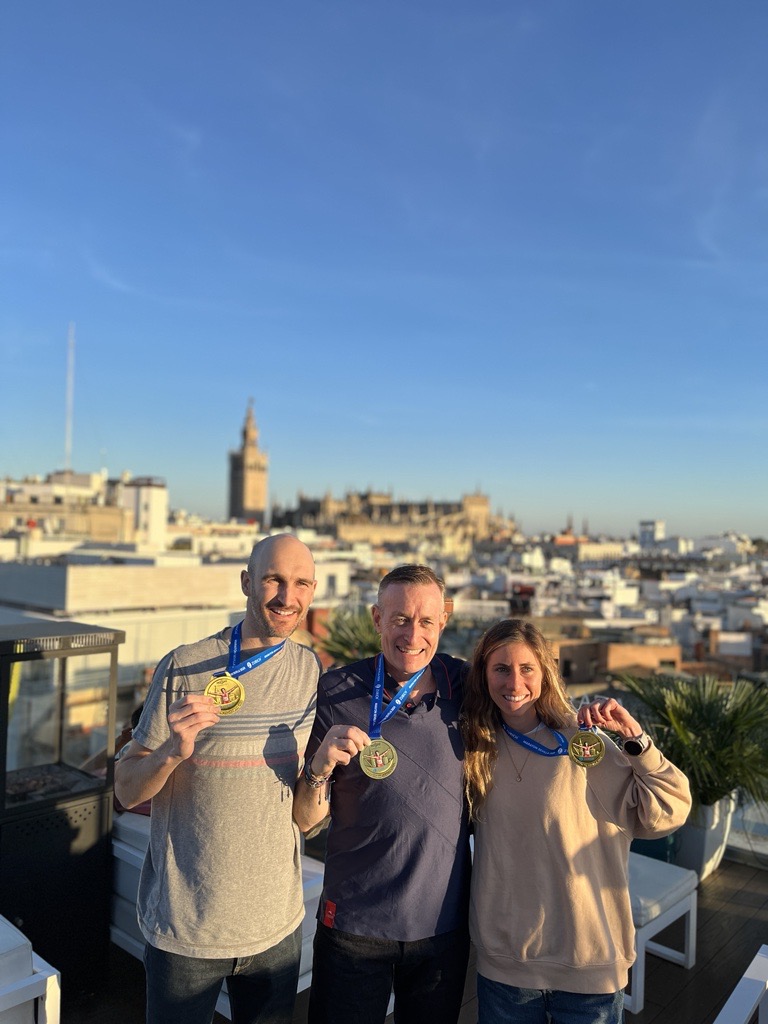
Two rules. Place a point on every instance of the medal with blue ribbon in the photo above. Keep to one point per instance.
(586, 747)
(225, 689)
(379, 758)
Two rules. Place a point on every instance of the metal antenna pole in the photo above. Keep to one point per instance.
(70, 396)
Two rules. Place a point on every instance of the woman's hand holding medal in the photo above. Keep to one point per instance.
(608, 714)
(187, 717)
(586, 747)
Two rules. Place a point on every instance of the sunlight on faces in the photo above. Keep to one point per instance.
(409, 618)
(514, 678)
(279, 588)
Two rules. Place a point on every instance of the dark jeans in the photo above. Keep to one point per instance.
(262, 988)
(498, 1004)
(353, 976)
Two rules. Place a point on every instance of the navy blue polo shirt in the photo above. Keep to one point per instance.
(397, 863)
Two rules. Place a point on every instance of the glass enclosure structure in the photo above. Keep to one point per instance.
(58, 686)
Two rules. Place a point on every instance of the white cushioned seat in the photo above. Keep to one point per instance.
(655, 886)
(133, 829)
(660, 893)
(30, 989)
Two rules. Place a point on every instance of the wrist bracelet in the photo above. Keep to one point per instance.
(312, 780)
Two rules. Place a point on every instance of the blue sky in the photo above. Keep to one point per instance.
(521, 247)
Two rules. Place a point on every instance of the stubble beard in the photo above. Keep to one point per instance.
(272, 626)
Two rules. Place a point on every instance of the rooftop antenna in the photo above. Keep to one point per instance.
(70, 397)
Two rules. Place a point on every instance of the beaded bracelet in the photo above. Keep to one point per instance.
(314, 781)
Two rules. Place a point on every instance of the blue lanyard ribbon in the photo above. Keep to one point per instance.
(378, 719)
(237, 668)
(534, 745)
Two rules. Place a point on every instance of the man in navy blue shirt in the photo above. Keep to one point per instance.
(385, 761)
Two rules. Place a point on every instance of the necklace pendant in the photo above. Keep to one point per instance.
(518, 771)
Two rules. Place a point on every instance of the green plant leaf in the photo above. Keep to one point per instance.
(351, 636)
(715, 732)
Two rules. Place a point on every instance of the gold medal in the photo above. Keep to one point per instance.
(586, 748)
(227, 692)
(379, 759)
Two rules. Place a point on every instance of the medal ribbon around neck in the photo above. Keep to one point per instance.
(224, 687)
(538, 748)
(378, 719)
(237, 668)
(379, 758)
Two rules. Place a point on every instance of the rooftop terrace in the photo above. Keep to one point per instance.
(732, 925)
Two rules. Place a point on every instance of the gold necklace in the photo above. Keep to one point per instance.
(519, 771)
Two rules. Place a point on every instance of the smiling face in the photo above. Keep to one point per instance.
(410, 618)
(514, 677)
(279, 584)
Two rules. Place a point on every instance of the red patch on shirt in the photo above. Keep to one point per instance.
(330, 914)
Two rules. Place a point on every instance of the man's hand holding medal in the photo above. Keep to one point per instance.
(187, 717)
(341, 744)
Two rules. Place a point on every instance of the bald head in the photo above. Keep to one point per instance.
(282, 545)
(279, 584)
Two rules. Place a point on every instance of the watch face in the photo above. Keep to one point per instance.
(634, 747)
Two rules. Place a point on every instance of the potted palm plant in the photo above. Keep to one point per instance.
(717, 733)
(351, 636)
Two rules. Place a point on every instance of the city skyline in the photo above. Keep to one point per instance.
(444, 248)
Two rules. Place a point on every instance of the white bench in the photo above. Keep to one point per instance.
(660, 893)
(30, 989)
(130, 836)
(750, 994)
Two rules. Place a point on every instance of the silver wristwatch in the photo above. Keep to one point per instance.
(636, 744)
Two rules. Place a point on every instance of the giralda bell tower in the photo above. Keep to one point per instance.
(248, 476)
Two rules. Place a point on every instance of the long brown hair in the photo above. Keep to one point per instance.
(480, 716)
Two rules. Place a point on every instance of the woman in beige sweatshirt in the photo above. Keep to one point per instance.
(555, 805)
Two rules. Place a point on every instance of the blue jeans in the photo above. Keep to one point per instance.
(262, 988)
(353, 976)
(504, 1004)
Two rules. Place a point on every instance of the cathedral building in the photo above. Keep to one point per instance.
(248, 476)
(378, 518)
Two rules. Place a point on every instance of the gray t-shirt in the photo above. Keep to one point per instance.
(222, 874)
